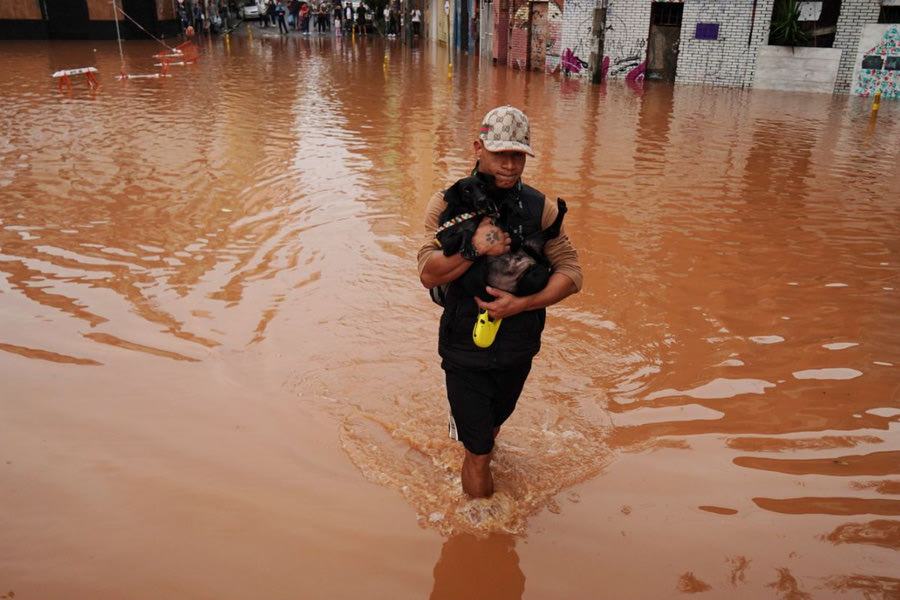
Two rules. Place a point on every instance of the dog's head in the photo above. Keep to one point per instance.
(468, 196)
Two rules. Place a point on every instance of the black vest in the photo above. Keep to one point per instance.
(519, 336)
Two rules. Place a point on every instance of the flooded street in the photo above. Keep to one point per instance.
(220, 371)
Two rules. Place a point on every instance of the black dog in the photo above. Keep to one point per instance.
(522, 271)
(467, 203)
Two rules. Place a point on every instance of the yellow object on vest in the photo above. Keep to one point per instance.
(485, 329)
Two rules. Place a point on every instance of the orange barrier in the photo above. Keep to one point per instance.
(88, 73)
(183, 54)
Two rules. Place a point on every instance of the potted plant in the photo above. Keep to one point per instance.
(788, 62)
(786, 29)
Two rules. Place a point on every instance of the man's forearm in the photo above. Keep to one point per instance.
(506, 305)
(487, 240)
(558, 288)
(440, 269)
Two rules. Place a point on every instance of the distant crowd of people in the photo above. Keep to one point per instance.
(211, 16)
(326, 16)
(300, 16)
(331, 16)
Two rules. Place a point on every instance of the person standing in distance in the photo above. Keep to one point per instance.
(416, 18)
(348, 18)
(279, 15)
(483, 384)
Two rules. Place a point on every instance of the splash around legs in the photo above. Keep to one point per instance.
(477, 480)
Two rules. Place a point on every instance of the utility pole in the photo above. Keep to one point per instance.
(598, 31)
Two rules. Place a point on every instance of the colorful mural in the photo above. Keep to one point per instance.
(878, 67)
(542, 21)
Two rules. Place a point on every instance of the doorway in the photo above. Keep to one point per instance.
(67, 19)
(486, 29)
(463, 25)
(144, 13)
(662, 47)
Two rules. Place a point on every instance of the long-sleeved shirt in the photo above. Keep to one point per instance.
(559, 250)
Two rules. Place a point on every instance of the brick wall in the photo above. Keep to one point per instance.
(727, 61)
(854, 15)
(730, 59)
(518, 34)
(518, 48)
(627, 28)
(578, 16)
(501, 30)
(511, 32)
(555, 49)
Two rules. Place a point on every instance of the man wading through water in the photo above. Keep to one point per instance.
(484, 383)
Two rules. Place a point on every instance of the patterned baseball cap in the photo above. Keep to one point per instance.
(506, 128)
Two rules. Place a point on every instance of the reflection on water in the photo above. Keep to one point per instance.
(472, 567)
(880, 532)
(259, 212)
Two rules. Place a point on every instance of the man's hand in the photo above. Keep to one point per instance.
(503, 305)
(490, 240)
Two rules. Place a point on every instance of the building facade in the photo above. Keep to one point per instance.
(709, 42)
(85, 19)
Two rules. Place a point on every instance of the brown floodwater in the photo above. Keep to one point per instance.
(220, 376)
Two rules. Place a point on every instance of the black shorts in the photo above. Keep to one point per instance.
(482, 400)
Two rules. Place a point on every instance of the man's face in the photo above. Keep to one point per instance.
(506, 166)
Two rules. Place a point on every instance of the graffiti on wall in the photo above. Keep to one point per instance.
(636, 75)
(542, 21)
(581, 33)
(540, 33)
(570, 63)
(878, 65)
(553, 51)
(626, 57)
(626, 52)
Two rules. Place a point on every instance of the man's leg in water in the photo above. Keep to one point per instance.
(478, 400)
(477, 480)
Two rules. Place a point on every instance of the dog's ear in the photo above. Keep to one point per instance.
(467, 195)
(453, 239)
(463, 194)
(452, 196)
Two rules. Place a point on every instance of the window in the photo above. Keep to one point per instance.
(872, 62)
(666, 13)
(819, 33)
(889, 14)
